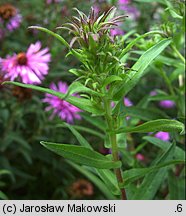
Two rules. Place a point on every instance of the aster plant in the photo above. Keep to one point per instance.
(103, 80)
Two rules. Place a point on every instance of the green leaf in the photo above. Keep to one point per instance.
(3, 196)
(152, 181)
(83, 104)
(97, 122)
(90, 131)
(82, 155)
(83, 142)
(77, 87)
(138, 69)
(155, 125)
(176, 186)
(4, 172)
(143, 114)
(111, 79)
(160, 97)
(92, 177)
(61, 39)
(133, 42)
(110, 180)
(179, 153)
(133, 174)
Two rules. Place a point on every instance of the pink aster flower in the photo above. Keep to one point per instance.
(127, 102)
(153, 93)
(30, 67)
(162, 136)
(123, 2)
(131, 11)
(52, 1)
(62, 108)
(140, 157)
(116, 31)
(167, 104)
(10, 17)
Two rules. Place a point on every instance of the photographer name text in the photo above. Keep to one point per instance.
(110, 208)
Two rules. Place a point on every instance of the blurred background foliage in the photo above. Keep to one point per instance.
(29, 171)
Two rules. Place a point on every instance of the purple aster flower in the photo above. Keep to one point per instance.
(167, 104)
(131, 11)
(52, 1)
(116, 31)
(30, 67)
(127, 102)
(122, 2)
(140, 157)
(10, 18)
(96, 8)
(153, 93)
(62, 108)
(162, 136)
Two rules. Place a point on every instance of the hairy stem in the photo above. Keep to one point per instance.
(112, 124)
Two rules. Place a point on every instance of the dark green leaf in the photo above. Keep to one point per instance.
(110, 180)
(155, 125)
(179, 153)
(111, 79)
(83, 142)
(138, 69)
(82, 155)
(152, 181)
(136, 173)
(3, 196)
(77, 87)
(176, 187)
(83, 104)
(143, 114)
(92, 177)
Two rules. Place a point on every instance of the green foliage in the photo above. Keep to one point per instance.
(103, 69)
(156, 125)
(138, 69)
(82, 155)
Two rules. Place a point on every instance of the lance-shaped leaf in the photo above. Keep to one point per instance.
(138, 69)
(136, 173)
(82, 155)
(155, 125)
(111, 79)
(80, 138)
(133, 42)
(179, 153)
(152, 181)
(83, 104)
(143, 114)
(77, 87)
(94, 178)
(61, 39)
(3, 196)
(110, 180)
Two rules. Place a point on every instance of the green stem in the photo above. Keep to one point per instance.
(167, 81)
(112, 124)
(178, 53)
